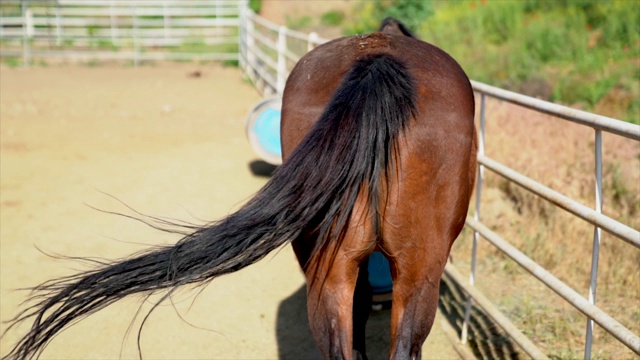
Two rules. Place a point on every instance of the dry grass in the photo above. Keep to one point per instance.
(560, 155)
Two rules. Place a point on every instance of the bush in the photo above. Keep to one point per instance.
(583, 49)
(332, 18)
(371, 13)
(255, 5)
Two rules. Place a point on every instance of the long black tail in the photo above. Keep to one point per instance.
(352, 145)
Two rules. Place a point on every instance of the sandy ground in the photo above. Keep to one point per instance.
(166, 144)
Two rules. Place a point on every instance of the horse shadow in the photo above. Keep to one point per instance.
(486, 339)
(292, 329)
(295, 340)
(262, 168)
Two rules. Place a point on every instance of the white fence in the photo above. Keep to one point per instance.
(120, 29)
(268, 53)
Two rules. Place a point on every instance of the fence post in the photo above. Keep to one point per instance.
(134, 22)
(311, 41)
(242, 20)
(595, 252)
(27, 33)
(474, 251)
(165, 22)
(217, 20)
(112, 22)
(250, 43)
(282, 59)
(58, 25)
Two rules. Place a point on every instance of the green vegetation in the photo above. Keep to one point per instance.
(12, 62)
(198, 46)
(582, 53)
(297, 23)
(371, 13)
(332, 18)
(255, 5)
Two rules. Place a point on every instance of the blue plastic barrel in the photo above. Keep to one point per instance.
(379, 274)
(263, 130)
(267, 126)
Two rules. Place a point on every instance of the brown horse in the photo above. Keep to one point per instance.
(404, 109)
(379, 145)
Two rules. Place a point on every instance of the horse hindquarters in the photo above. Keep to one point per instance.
(426, 209)
(367, 110)
(388, 120)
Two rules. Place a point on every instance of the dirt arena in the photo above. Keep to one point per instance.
(168, 144)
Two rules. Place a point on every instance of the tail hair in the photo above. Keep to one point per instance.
(391, 23)
(350, 147)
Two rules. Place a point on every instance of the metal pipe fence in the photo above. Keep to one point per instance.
(120, 29)
(592, 215)
(260, 55)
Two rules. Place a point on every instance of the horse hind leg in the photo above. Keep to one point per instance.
(415, 302)
(334, 317)
(329, 305)
(362, 300)
(417, 250)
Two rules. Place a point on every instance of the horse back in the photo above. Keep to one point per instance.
(443, 89)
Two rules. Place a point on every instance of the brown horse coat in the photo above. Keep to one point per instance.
(426, 195)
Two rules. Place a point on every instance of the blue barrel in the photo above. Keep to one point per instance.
(379, 274)
(267, 125)
(263, 130)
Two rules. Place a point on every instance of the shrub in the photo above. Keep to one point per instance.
(583, 49)
(332, 18)
(255, 5)
(371, 13)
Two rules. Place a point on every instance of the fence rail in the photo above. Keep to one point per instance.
(266, 53)
(120, 29)
(591, 215)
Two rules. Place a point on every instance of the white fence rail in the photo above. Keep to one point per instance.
(268, 52)
(267, 55)
(120, 29)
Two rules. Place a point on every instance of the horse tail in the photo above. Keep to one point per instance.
(352, 147)
(314, 192)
